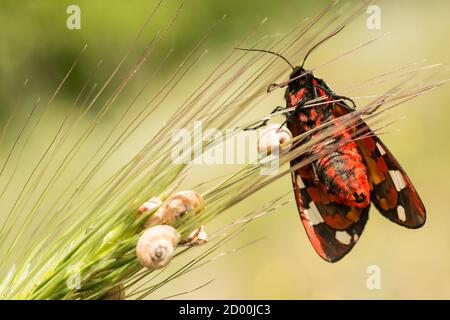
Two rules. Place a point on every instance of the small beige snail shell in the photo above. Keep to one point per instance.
(115, 293)
(181, 202)
(273, 136)
(150, 205)
(196, 238)
(156, 245)
(157, 217)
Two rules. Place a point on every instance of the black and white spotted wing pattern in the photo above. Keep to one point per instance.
(332, 228)
(393, 194)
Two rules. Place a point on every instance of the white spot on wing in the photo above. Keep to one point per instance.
(401, 213)
(343, 237)
(397, 177)
(381, 149)
(313, 214)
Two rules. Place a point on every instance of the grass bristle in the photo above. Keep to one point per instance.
(83, 223)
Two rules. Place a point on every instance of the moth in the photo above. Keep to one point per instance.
(334, 192)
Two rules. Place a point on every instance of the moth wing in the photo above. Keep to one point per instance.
(393, 193)
(332, 228)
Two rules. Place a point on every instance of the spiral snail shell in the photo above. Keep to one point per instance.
(150, 205)
(156, 245)
(196, 238)
(274, 136)
(157, 217)
(181, 202)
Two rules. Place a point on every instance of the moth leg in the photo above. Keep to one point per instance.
(264, 122)
(345, 98)
(322, 84)
(316, 177)
(283, 124)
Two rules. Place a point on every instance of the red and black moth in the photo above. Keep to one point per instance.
(334, 192)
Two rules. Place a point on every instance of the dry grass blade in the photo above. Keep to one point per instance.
(92, 227)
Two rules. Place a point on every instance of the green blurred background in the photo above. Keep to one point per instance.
(414, 264)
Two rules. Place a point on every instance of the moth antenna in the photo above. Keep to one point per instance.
(268, 51)
(319, 43)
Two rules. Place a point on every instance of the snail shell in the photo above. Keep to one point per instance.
(274, 136)
(150, 205)
(157, 217)
(115, 293)
(196, 238)
(156, 245)
(181, 202)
